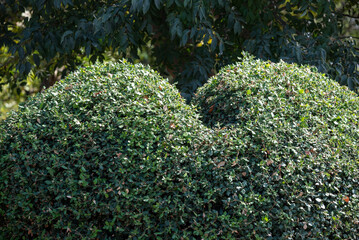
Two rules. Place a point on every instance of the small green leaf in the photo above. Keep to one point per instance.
(36, 59)
(68, 32)
(158, 3)
(146, 6)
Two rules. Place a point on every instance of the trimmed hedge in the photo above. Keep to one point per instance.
(113, 152)
(106, 153)
(295, 150)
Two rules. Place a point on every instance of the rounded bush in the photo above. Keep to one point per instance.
(294, 148)
(113, 152)
(105, 153)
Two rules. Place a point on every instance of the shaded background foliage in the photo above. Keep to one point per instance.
(188, 41)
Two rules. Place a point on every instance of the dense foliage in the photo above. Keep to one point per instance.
(297, 135)
(188, 40)
(113, 151)
(105, 153)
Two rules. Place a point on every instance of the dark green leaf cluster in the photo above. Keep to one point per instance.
(113, 152)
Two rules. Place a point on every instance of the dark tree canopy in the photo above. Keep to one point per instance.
(189, 40)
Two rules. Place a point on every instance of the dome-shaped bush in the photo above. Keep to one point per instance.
(105, 153)
(294, 149)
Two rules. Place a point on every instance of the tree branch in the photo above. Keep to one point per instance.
(347, 15)
(343, 37)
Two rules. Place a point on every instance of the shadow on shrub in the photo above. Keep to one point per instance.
(113, 151)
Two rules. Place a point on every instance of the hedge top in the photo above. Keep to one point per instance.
(254, 87)
(285, 105)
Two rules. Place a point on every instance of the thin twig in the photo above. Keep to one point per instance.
(342, 37)
(347, 15)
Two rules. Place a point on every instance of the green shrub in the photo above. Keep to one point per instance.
(105, 153)
(113, 152)
(294, 146)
